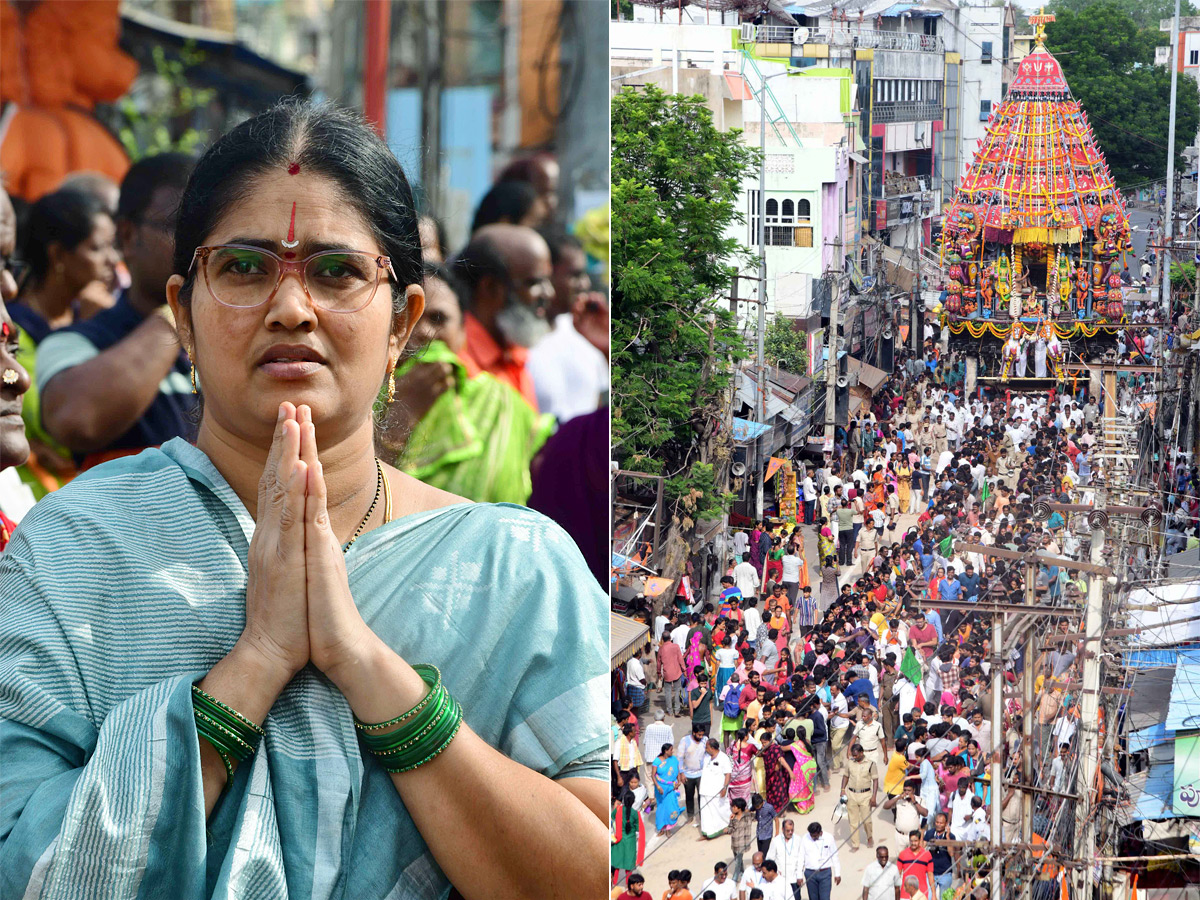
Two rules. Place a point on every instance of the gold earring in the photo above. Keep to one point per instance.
(194, 390)
(391, 393)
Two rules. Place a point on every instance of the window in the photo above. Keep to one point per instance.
(803, 237)
(985, 110)
(788, 211)
(986, 57)
(1194, 57)
(779, 236)
(803, 210)
(772, 207)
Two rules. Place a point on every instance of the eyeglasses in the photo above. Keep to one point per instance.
(243, 277)
(18, 268)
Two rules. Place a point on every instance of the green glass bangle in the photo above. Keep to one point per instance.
(419, 725)
(434, 722)
(214, 729)
(396, 770)
(432, 676)
(206, 699)
(447, 726)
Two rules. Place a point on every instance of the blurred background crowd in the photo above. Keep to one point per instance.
(493, 107)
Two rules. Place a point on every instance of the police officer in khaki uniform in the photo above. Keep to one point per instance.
(860, 790)
(871, 735)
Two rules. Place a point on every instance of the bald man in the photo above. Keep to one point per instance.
(506, 270)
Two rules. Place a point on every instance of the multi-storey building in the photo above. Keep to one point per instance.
(906, 91)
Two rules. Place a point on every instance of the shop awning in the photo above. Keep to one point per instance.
(625, 635)
(860, 159)
(745, 431)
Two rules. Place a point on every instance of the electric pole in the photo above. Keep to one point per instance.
(1169, 214)
(1089, 728)
(831, 364)
(760, 413)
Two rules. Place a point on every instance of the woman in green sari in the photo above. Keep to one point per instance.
(474, 437)
(269, 665)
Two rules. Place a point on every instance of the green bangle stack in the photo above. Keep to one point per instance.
(430, 727)
(231, 734)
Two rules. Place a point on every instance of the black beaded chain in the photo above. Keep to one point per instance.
(363, 524)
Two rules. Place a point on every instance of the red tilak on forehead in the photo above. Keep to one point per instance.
(291, 238)
(294, 169)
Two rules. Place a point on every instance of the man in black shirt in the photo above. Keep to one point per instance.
(943, 860)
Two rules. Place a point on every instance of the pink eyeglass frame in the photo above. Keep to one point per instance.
(286, 266)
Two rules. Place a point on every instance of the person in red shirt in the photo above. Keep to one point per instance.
(507, 271)
(634, 888)
(670, 671)
(916, 860)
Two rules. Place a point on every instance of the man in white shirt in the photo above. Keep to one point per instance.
(635, 680)
(753, 619)
(752, 877)
(788, 854)
(680, 632)
(881, 879)
(793, 565)
(960, 806)
(821, 867)
(658, 733)
(720, 884)
(570, 374)
(1058, 769)
(745, 577)
(741, 543)
(773, 886)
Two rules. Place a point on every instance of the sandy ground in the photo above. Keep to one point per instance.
(683, 848)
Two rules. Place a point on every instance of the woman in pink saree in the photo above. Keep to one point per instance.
(697, 655)
(741, 755)
(802, 764)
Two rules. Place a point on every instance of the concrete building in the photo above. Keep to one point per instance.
(982, 36)
(906, 88)
(1187, 62)
(812, 202)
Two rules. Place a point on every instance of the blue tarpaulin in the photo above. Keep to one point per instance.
(745, 430)
(1184, 712)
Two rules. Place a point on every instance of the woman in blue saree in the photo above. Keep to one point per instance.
(666, 790)
(277, 576)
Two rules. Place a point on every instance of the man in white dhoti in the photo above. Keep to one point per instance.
(1039, 359)
(1023, 360)
(714, 791)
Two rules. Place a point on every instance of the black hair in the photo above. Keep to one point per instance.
(558, 240)
(770, 865)
(507, 201)
(321, 139)
(163, 170)
(627, 801)
(67, 217)
(478, 260)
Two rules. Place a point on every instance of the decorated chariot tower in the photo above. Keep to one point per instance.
(1034, 237)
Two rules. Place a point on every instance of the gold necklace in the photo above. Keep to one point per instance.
(379, 483)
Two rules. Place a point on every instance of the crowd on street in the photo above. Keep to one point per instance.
(870, 677)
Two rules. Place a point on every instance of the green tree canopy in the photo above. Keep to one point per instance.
(675, 184)
(785, 346)
(1108, 61)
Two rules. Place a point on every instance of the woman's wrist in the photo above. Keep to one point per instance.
(376, 682)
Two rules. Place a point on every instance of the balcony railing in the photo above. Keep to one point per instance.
(907, 111)
(843, 37)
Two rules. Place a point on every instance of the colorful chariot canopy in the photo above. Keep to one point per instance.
(1038, 175)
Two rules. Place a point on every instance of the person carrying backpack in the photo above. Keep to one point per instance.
(731, 711)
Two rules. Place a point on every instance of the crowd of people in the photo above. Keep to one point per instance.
(878, 684)
(501, 395)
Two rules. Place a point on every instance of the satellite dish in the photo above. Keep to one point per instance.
(738, 469)
(800, 35)
(843, 381)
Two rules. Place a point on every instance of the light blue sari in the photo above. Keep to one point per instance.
(666, 794)
(123, 588)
